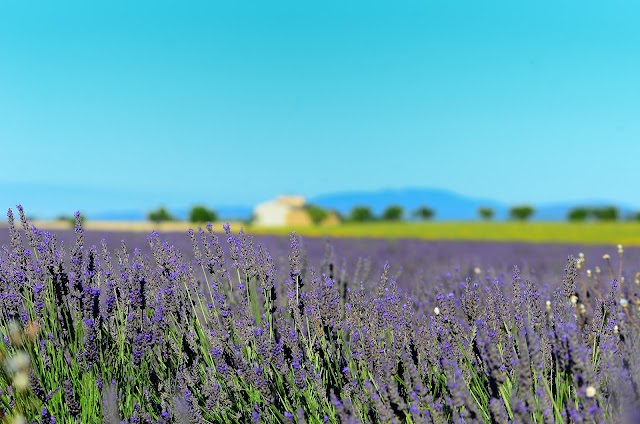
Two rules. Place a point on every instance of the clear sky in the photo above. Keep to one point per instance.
(237, 101)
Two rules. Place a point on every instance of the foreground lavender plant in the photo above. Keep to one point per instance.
(124, 336)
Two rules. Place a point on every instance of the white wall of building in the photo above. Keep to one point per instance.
(270, 214)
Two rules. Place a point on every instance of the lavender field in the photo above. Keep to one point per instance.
(219, 326)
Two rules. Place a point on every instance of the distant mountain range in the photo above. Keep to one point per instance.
(45, 201)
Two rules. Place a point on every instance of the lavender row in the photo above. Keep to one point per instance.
(208, 327)
(414, 262)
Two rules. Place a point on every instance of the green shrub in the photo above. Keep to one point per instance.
(317, 213)
(579, 214)
(606, 213)
(424, 213)
(160, 215)
(486, 213)
(361, 214)
(71, 220)
(199, 214)
(393, 213)
(521, 213)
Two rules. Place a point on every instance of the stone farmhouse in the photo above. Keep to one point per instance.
(287, 211)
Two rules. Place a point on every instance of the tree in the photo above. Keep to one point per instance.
(200, 213)
(361, 214)
(521, 213)
(606, 213)
(636, 216)
(316, 213)
(424, 213)
(71, 220)
(486, 213)
(393, 213)
(159, 215)
(578, 214)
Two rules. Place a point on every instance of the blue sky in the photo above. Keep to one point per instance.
(234, 102)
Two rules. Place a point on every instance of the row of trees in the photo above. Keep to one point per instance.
(197, 214)
(200, 214)
(391, 213)
(516, 213)
(425, 213)
(607, 213)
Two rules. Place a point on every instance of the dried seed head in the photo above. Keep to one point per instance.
(620, 249)
(581, 255)
(548, 306)
(477, 270)
(18, 419)
(14, 326)
(574, 299)
(583, 309)
(15, 333)
(616, 329)
(589, 273)
(19, 362)
(31, 330)
(606, 257)
(21, 381)
(597, 270)
(436, 310)
(624, 302)
(590, 391)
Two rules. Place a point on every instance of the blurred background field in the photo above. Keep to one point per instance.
(592, 233)
(413, 261)
(627, 233)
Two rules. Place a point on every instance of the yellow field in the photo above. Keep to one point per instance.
(626, 233)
